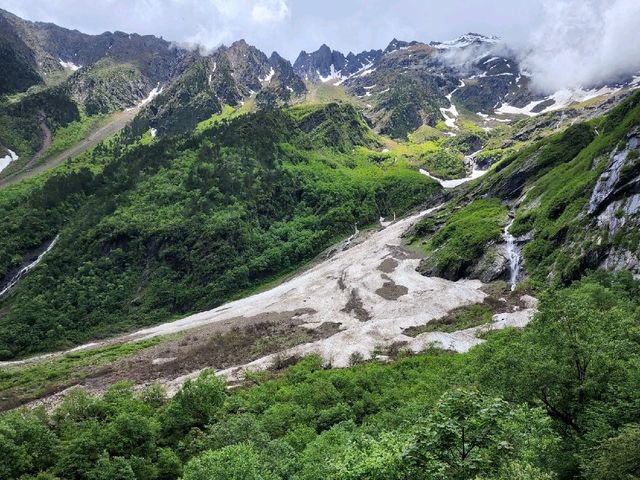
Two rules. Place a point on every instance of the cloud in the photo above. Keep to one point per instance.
(270, 11)
(582, 43)
(203, 23)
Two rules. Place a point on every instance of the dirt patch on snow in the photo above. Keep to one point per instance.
(390, 290)
(355, 306)
(388, 265)
(217, 346)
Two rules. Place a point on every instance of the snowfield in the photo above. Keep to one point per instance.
(561, 99)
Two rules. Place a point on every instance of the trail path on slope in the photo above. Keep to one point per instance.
(46, 141)
(114, 124)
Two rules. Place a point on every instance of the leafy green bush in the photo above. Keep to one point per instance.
(455, 248)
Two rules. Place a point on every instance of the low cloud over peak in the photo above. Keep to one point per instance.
(582, 43)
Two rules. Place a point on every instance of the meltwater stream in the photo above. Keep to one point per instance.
(27, 268)
(513, 252)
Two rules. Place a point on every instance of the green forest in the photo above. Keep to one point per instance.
(564, 406)
(153, 231)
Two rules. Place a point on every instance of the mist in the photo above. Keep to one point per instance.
(583, 43)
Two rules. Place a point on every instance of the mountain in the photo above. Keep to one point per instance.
(96, 76)
(55, 49)
(432, 109)
(329, 65)
(413, 84)
(400, 263)
(229, 76)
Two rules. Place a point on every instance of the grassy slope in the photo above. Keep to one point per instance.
(558, 174)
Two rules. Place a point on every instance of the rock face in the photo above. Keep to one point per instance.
(621, 172)
(323, 63)
(107, 86)
(494, 265)
(615, 208)
(326, 65)
(19, 66)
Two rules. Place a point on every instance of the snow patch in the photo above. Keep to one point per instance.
(458, 181)
(69, 65)
(8, 159)
(269, 76)
(365, 72)
(333, 75)
(475, 173)
(451, 114)
(464, 41)
(561, 99)
(152, 94)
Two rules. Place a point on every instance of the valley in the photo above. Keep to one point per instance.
(222, 262)
(356, 300)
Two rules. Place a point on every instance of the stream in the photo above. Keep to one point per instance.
(513, 253)
(27, 268)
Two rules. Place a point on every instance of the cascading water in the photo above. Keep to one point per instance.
(27, 268)
(513, 252)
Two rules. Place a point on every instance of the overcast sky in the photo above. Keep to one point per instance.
(289, 26)
(562, 43)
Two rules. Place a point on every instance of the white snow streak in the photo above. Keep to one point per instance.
(268, 77)
(8, 159)
(69, 65)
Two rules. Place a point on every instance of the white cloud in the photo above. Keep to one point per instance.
(270, 11)
(582, 43)
(207, 23)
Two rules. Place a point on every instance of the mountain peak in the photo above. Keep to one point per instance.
(465, 41)
(396, 44)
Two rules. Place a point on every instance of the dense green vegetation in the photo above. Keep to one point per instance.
(445, 163)
(549, 184)
(149, 232)
(71, 134)
(564, 406)
(553, 210)
(410, 104)
(20, 121)
(457, 244)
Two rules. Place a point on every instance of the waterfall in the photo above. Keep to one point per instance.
(513, 251)
(27, 268)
